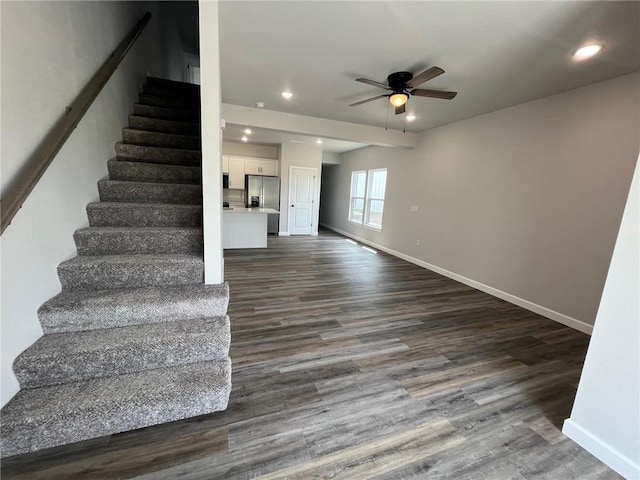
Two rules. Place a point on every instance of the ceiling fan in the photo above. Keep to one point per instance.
(402, 86)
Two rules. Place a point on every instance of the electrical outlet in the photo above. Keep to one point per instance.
(413, 208)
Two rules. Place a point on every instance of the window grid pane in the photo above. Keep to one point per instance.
(378, 184)
(357, 209)
(374, 216)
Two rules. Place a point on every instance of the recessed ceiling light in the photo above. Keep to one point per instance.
(319, 141)
(587, 51)
(411, 117)
(259, 104)
(244, 138)
(287, 94)
(247, 131)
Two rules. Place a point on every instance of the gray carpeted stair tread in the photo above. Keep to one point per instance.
(76, 356)
(148, 192)
(157, 139)
(71, 311)
(119, 214)
(123, 271)
(44, 417)
(161, 155)
(153, 172)
(138, 240)
(164, 126)
(166, 113)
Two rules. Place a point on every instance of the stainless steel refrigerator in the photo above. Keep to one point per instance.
(264, 192)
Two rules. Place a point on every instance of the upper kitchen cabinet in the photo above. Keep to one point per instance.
(269, 167)
(259, 166)
(236, 172)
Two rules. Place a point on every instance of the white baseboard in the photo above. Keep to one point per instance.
(521, 302)
(283, 234)
(601, 450)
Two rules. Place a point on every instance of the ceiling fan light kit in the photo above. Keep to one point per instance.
(402, 86)
(398, 99)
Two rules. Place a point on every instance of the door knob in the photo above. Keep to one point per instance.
(293, 205)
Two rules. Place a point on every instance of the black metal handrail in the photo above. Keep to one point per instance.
(35, 166)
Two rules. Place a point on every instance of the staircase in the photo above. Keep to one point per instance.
(134, 338)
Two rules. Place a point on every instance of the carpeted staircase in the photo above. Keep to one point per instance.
(135, 338)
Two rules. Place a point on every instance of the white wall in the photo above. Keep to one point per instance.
(175, 19)
(523, 203)
(606, 414)
(330, 158)
(292, 154)
(49, 51)
(211, 142)
(251, 150)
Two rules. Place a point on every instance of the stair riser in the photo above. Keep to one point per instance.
(174, 85)
(165, 156)
(122, 309)
(105, 275)
(127, 409)
(150, 192)
(165, 140)
(147, 172)
(166, 113)
(187, 96)
(207, 342)
(163, 126)
(136, 242)
(169, 102)
(141, 215)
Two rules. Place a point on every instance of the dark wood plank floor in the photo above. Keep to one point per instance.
(352, 365)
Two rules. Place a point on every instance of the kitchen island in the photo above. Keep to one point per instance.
(245, 227)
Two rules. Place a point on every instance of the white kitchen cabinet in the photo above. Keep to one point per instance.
(259, 166)
(236, 173)
(252, 166)
(238, 167)
(269, 167)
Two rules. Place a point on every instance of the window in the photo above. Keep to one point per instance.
(358, 186)
(367, 197)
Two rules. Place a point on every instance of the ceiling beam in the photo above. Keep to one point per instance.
(319, 127)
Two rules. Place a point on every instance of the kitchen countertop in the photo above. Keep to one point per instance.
(249, 210)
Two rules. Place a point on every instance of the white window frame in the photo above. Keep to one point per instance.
(366, 214)
(369, 198)
(353, 198)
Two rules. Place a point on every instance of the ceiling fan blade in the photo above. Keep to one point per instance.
(367, 100)
(428, 74)
(401, 109)
(421, 92)
(373, 83)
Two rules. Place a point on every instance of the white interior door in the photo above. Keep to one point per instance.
(301, 191)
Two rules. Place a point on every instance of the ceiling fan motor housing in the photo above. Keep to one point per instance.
(398, 80)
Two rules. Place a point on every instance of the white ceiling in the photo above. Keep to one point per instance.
(495, 54)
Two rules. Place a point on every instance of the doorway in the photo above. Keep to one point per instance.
(301, 199)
